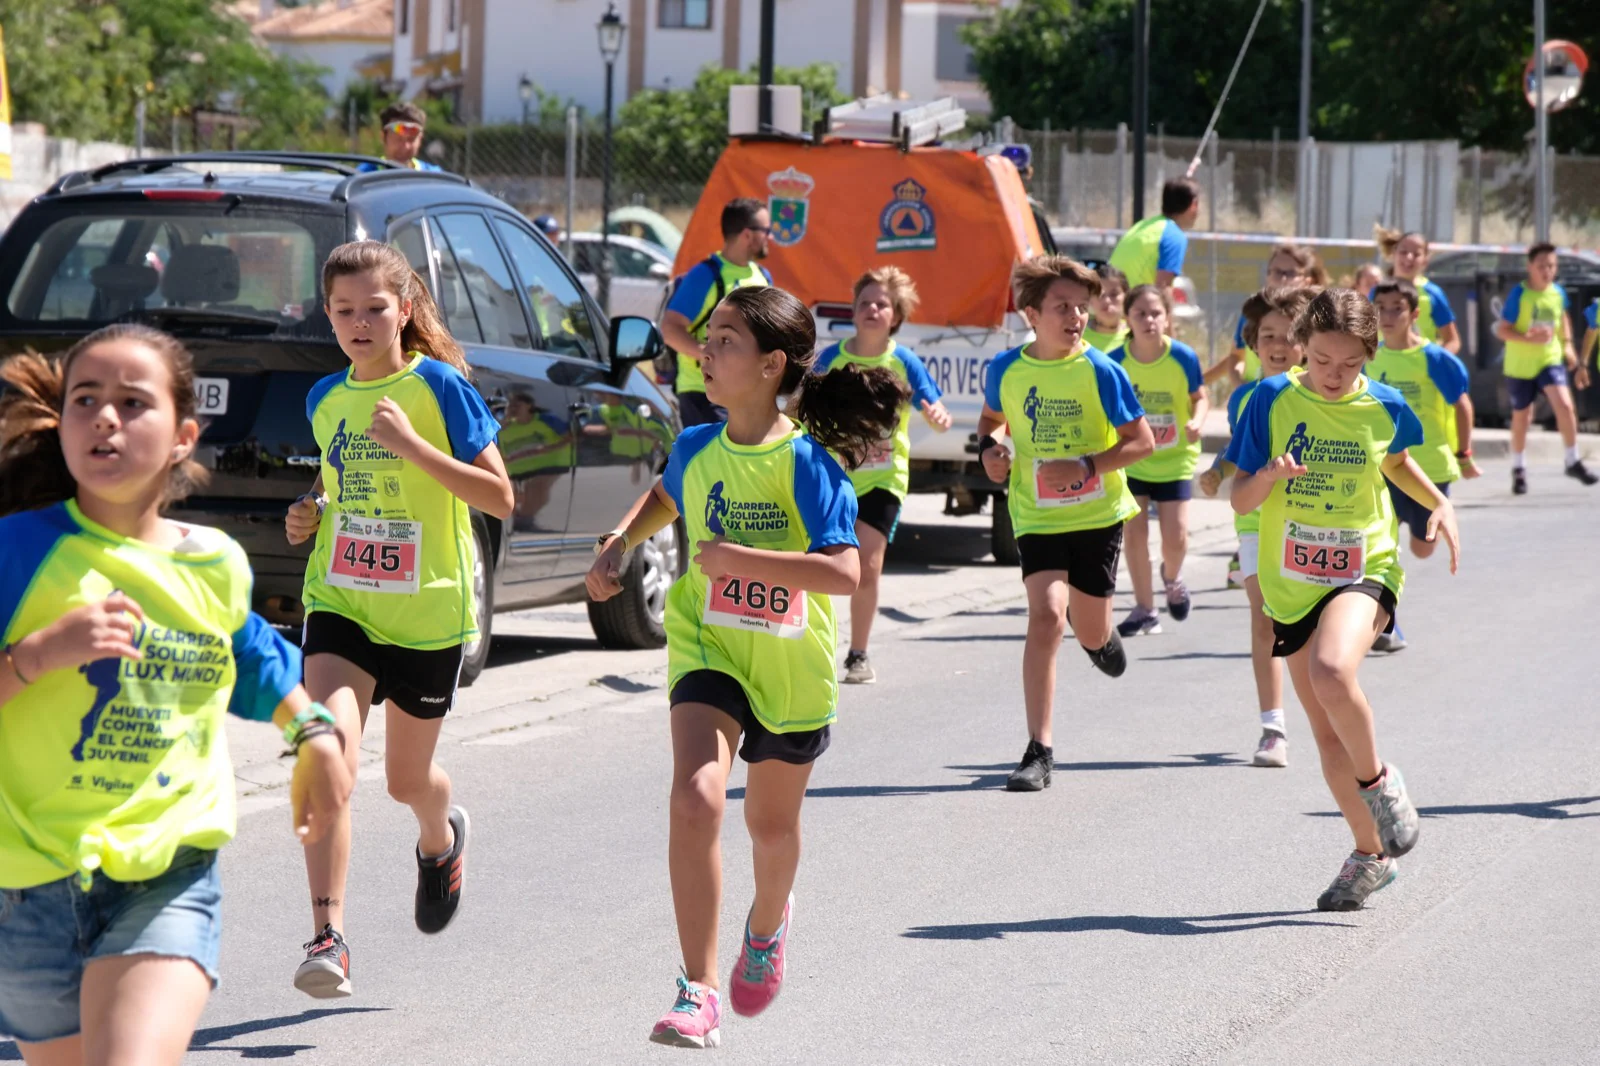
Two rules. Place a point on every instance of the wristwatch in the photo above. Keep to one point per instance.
(605, 538)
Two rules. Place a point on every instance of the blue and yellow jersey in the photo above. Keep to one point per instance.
(1150, 245)
(889, 467)
(1333, 525)
(1431, 380)
(1525, 308)
(696, 297)
(114, 765)
(1592, 315)
(1433, 309)
(1061, 409)
(536, 442)
(1100, 340)
(1252, 361)
(1164, 389)
(394, 551)
(1242, 523)
(791, 496)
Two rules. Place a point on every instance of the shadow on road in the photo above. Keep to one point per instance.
(1547, 810)
(982, 778)
(1194, 655)
(916, 547)
(205, 1038)
(1127, 923)
(509, 650)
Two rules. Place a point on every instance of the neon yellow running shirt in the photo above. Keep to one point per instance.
(789, 495)
(1061, 409)
(1431, 380)
(1164, 388)
(696, 297)
(1105, 342)
(114, 765)
(1525, 308)
(1335, 524)
(889, 467)
(394, 550)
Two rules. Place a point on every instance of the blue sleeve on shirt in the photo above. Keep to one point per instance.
(689, 298)
(1448, 374)
(1566, 304)
(319, 391)
(1118, 354)
(1251, 446)
(1236, 400)
(690, 443)
(824, 361)
(29, 538)
(826, 499)
(1407, 427)
(1442, 314)
(1238, 333)
(268, 669)
(1116, 391)
(1190, 362)
(923, 390)
(1174, 246)
(997, 370)
(467, 420)
(1512, 308)
(765, 273)
(1592, 315)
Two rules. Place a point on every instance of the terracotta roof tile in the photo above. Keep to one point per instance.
(365, 19)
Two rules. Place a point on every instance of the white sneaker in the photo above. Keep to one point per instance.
(1273, 750)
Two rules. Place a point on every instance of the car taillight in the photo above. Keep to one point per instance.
(184, 194)
(835, 312)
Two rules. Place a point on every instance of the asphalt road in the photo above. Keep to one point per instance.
(1157, 905)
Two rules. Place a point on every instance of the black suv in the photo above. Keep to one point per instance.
(225, 251)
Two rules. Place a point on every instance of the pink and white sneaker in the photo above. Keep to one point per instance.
(758, 973)
(695, 1020)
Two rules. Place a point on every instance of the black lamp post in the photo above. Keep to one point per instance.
(525, 91)
(610, 29)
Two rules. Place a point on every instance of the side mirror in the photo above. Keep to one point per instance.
(660, 271)
(635, 340)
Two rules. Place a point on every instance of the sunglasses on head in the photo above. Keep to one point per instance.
(404, 129)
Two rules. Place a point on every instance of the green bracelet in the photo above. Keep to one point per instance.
(314, 713)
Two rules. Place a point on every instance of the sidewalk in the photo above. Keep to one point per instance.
(1543, 446)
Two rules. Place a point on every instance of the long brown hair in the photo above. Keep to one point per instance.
(33, 470)
(849, 410)
(425, 330)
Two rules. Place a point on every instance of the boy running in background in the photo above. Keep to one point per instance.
(1108, 327)
(1539, 357)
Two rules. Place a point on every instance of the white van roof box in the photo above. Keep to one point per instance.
(885, 120)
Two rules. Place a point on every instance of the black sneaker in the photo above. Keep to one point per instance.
(1581, 474)
(1111, 660)
(1033, 772)
(1519, 482)
(326, 972)
(439, 880)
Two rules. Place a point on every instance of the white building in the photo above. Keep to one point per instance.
(349, 38)
(482, 49)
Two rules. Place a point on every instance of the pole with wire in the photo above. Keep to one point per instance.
(1227, 87)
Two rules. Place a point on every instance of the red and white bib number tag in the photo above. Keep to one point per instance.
(881, 457)
(1317, 555)
(375, 555)
(1165, 428)
(755, 607)
(1075, 493)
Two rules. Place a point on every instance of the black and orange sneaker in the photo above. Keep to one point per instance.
(439, 880)
(326, 972)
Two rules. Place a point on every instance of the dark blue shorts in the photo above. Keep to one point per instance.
(1161, 491)
(1411, 513)
(1524, 391)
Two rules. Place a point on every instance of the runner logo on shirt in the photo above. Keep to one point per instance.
(747, 522)
(348, 450)
(1048, 417)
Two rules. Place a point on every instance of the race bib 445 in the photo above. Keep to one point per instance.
(375, 554)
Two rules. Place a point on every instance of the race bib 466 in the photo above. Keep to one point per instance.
(755, 607)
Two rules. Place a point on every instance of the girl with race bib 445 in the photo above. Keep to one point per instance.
(883, 299)
(750, 626)
(1316, 451)
(128, 637)
(408, 447)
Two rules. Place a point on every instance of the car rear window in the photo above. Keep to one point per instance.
(97, 263)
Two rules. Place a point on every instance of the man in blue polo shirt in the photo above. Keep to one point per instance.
(1151, 253)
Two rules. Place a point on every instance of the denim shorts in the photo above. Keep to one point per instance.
(50, 933)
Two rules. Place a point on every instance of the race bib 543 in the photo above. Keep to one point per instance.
(1317, 555)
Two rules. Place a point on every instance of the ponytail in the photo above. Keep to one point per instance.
(849, 411)
(425, 330)
(33, 471)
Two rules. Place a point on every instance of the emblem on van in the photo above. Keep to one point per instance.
(789, 205)
(907, 222)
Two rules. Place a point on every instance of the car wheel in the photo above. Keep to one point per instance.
(475, 653)
(636, 616)
(1002, 538)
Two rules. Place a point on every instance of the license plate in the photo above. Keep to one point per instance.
(211, 396)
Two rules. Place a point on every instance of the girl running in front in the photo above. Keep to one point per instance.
(128, 637)
(883, 299)
(1407, 254)
(1166, 379)
(1313, 452)
(750, 627)
(1270, 316)
(1108, 325)
(1075, 424)
(408, 446)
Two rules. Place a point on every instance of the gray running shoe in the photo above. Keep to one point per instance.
(1273, 750)
(858, 669)
(1177, 597)
(1141, 621)
(1391, 808)
(1359, 877)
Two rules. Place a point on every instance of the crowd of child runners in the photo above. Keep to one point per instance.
(1350, 419)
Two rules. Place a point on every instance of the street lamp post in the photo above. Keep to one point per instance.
(610, 29)
(525, 91)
